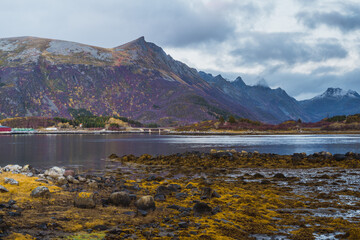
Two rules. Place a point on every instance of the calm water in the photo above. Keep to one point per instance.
(90, 151)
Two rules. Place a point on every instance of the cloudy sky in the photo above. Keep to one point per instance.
(302, 46)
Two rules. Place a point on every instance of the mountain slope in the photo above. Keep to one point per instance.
(334, 101)
(44, 77)
(269, 105)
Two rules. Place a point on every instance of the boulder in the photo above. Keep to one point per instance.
(11, 181)
(55, 172)
(12, 168)
(120, 199)
(202, 208)
(41, 191)
(3, 189)
(84, 200)
(69, 173)
(145, 203)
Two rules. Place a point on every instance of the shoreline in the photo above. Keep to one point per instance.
(221, 194)
(190, 133)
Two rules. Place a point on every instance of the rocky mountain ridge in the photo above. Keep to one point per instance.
(45, 77)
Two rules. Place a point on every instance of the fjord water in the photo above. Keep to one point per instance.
(90, 151)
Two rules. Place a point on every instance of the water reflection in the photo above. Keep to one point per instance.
(91, 150)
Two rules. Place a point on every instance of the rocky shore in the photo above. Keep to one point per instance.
(216, 195)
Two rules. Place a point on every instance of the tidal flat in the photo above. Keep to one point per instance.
(216, 195)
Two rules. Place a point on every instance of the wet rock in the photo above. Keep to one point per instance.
(181, 196)
(3, 189)
(11, 181)
(162, 190)
(174, 187)
(339, 157)
(84, 200)
(120, 199)
(145, 203)
(142, 212)
(55, 172)
(202, 208)
(160, 198)
(258, 175)
(279, 176)
(40, 192)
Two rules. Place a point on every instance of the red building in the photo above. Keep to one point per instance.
(5, 129)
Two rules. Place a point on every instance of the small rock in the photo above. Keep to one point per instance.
(84, 200)
(55, 172)
(81, 179)
(61, 181)
(142, 212)
(339, 157)
(160, 197)
(40, 192)
(258, 175)
(100, 228)
(183, 224)
(279, 176)
(145, 203)
(201, 208)
(11, 181)
(181, 196)
(174, 187)
(93, 185)
(120, 199)
(26, 168)
(70, 178)
(3, 189)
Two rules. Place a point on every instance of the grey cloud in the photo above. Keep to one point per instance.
(112, 22)
(287, 48)
(348, 19)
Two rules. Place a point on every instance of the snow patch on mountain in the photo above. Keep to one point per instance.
(337, 93)
(69, 48)
(7, 45)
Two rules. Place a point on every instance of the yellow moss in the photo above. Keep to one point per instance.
(84, 195)
(19, 236)
(22, 192)
(94, 223)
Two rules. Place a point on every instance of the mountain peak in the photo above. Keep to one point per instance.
(239, 82)
(338, 93)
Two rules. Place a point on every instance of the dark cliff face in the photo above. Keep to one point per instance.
(43, 77)
(334, 101)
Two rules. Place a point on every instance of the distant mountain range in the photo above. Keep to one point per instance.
(45, 77)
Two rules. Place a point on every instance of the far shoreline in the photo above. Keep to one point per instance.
(185, 133)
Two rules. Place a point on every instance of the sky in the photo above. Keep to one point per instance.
(302, 46)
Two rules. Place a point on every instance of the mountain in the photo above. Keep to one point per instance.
(138, 80)
(45, 77)
(268, 105)
(334, 101)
